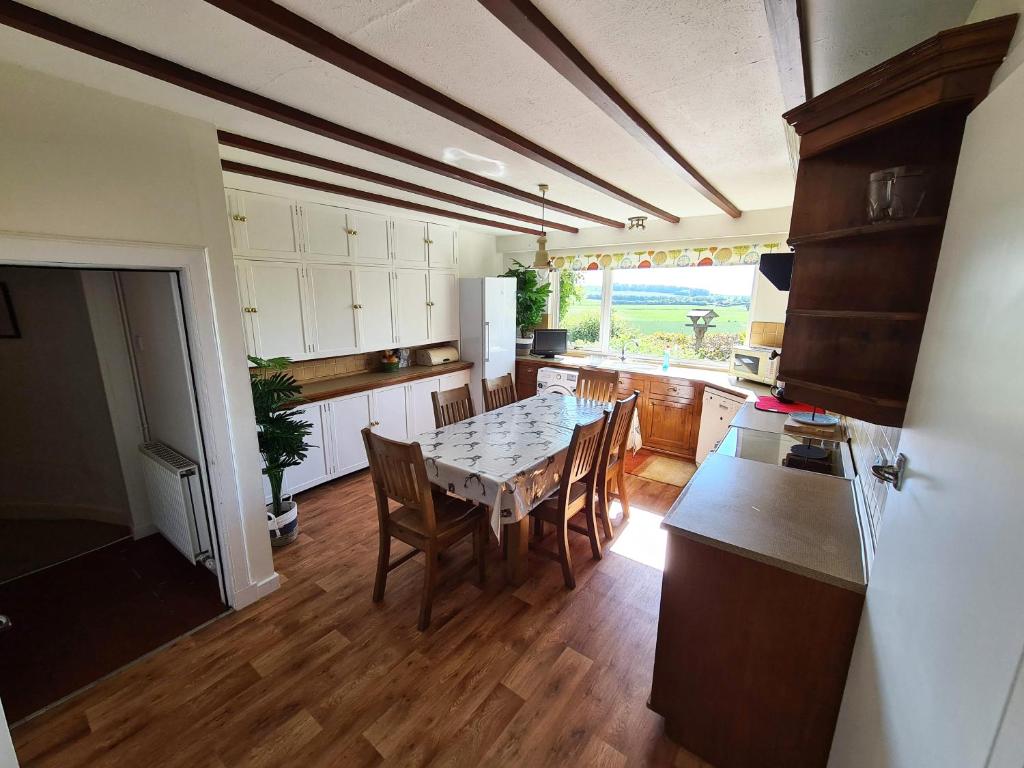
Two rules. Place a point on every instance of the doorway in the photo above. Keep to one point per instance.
(108, 541)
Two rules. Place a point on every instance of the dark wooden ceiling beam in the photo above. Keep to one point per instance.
(294, 29)
(228, 139)
(361, 194)
(534, 29)
(64, 33)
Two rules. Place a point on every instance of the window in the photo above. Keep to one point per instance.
(697, 313)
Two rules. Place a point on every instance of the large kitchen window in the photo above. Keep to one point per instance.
(697, 313)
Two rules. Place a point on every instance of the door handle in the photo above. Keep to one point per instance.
(487, 341)
(891, 473)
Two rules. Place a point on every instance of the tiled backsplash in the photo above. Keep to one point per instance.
(766, 334)
(868, 442)
(333, 367)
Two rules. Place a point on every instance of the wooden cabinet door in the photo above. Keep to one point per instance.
(325, 232)
(526, 380)
(368, 236)
(374, 298)
(668, 425)
(410, 238)
(276, 296)
(441, 247)
(348, 416)
(421, 407)
(412, 314)
(315, 468)
(332, 310)
(390, 413)
(266, 226)
(444, 306)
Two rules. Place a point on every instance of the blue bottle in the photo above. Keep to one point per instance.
(664, 360)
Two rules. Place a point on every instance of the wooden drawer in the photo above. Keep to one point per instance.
(681, 389)
(628, 383)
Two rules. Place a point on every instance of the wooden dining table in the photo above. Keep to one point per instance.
(508, 459)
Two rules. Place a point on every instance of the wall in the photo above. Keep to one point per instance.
(478, 254)
(76, 162)
(59, 456)
(989, 9)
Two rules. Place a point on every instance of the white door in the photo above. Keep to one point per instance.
(348, 416)
(421, 406)
(276, 294)
(412, 313)
(325, 232)
(499, 327)
(441, 246)
(266, 226)
(242, 281)
(374, 301)
(390, 413)
(943, 626)
(410, 243)
(368, 237)
(444, 306)
(332, 309)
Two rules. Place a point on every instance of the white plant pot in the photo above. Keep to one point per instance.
(284, 528)
(523, 346)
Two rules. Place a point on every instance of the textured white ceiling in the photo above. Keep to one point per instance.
(702, 72)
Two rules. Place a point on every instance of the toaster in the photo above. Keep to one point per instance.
(436, 355)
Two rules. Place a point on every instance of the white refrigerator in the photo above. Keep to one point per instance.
(487, 320)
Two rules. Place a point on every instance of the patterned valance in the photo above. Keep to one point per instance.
(700, 256)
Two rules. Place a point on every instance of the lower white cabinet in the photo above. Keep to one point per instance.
(421, 406)
(317, 466)
(390, 412)
(453, 380)
(348, 416)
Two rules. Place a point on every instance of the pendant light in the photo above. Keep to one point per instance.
(541, 259)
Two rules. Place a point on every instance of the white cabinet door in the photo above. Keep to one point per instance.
(441, 244)
(242, 281)
(444, 306)
(390, 413)
(421, 406)
(411, 307)
(368, 238)
(410, 243)
(315, 468)
(276, 296)
(325, 232)
(348, 416)
(453, 380)
(266, 226)
(717, 413)
(332, 309)
(374, 299)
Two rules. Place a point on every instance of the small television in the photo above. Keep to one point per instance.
(548, 342)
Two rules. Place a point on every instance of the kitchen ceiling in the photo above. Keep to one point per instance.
(703, 73)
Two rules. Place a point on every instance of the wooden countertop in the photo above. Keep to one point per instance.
(718, 379)
(325, 389)
(799, 521)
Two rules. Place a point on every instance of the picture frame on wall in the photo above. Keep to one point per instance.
(8, 320)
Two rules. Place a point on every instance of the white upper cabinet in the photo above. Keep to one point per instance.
(263, 226)
(390, 414)
(276, 294)
(324, 232)
(374, 309)
(369, 238)
(412, 309)
(441, 246)
(410, 243)
(444, 306)
(332, 310)
(348, 416)
(421, 406)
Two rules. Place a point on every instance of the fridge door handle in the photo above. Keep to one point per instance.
(487, 341)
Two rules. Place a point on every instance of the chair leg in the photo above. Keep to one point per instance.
(383, 560)
(538, 528)
(564, 556)
(590, 511)
(429, 580)
(604, 510)
(620, 482)
(480, 538)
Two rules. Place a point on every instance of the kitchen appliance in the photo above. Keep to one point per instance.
(718, 409)
(557, 380)
(548, 342)
(487, 325)
(755, 363)
(897, 193)
(437, 355)
(810, 454)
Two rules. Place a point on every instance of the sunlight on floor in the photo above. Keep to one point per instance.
(641, 538)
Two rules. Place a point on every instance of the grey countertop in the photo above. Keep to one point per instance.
(751, 418)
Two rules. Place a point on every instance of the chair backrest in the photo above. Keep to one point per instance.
(452, 405)
(581, 458)
(499, 392)
(399, 473)
(616, 436)
(593, 384)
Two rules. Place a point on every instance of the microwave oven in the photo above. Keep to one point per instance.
(755, 363)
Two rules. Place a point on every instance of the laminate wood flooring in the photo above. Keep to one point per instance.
(316, 675)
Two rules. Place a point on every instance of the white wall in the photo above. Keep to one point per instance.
(989, 9)
(478, 254)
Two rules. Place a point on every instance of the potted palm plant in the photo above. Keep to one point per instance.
(282, 438)
(531, 301)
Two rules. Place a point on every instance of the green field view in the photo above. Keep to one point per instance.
(670, 318)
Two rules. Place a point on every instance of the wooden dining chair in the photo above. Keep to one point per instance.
(575, 494)
(612, 461)
(452, 405)
(427, 520)
(499, 392)
(593, 384)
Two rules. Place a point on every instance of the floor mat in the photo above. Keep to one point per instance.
(662, 469)
(27, 545)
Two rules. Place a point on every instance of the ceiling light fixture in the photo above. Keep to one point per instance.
(541, 259)
(638, 222)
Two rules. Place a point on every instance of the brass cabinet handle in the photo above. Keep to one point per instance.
(352, 232)
(239, 217)
(248, 309)
(374, 423)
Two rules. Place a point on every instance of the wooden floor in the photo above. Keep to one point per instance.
(316, 675)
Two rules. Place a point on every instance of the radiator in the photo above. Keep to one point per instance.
(175, 496)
